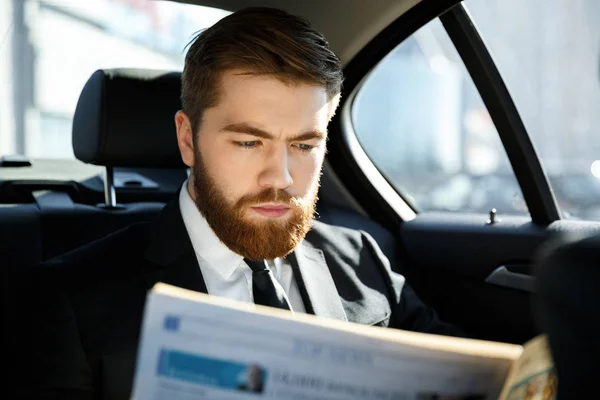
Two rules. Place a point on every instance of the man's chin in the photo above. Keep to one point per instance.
(257, 237)
(259, 240)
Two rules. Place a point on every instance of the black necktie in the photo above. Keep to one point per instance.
(266, 290)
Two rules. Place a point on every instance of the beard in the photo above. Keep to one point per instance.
(256, 239)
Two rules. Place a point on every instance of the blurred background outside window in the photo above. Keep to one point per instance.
(548, 52)
(421, 120)
(49, 49)
(418, 115)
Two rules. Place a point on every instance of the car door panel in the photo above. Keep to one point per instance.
(476, 275)
(452, 258)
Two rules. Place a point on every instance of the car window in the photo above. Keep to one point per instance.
(420, 119)
(49, 48)
(549, 58)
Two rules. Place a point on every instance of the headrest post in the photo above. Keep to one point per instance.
(110, 196)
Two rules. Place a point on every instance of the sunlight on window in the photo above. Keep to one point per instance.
(549, 58)
(420, 119)
(596, 169)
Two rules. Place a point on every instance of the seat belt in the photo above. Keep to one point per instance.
(47, 200)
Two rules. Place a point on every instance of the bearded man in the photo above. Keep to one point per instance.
(258, 91)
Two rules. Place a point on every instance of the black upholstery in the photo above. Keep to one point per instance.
(30, 234)
(64, 229)
(20, 234)
(125, 118)
(569, 304)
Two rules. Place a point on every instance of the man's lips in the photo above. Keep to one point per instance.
(271, 210)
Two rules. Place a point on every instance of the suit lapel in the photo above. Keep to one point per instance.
(171, 252)
(316, 283)
(174, 261)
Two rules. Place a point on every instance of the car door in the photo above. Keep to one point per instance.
(431, 143)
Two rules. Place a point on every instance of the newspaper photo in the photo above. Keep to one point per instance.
(197, 346)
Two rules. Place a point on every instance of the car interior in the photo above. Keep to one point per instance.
(477, 274)
(123, 119)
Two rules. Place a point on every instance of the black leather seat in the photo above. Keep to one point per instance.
(20, 234)
(124, 118)
(569, 306)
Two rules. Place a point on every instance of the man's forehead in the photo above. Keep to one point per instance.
(265, 103)
(257, 84)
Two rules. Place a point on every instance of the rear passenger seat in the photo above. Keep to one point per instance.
(30, 233)
(20, 234)
(124, 118)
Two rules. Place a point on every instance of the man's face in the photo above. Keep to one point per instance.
(256, 162)
(254, 377)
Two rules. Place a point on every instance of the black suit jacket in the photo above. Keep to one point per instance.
(81, 313)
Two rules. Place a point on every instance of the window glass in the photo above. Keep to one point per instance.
(420, 119)
(49, 49)
(548, 52)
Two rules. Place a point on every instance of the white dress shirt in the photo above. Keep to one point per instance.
(225, 272)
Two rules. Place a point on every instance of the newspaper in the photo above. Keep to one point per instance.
(196, 346)
(533, 376)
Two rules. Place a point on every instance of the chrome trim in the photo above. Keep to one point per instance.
(404, 211)
(501, 276)
(110, 196)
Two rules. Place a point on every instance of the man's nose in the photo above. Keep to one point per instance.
(276, 173)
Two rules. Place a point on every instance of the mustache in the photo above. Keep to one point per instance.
(269, 196)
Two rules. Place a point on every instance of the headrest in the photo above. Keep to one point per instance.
(125, 118)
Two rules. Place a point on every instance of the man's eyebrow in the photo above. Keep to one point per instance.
(251, 130)
(309, 136)
(247, 129)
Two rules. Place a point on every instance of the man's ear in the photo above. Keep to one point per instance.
(185, 137)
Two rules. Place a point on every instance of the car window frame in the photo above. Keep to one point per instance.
(366, 189)
(523, 157)
(371, 188)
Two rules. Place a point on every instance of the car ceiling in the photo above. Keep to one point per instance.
(363, 19)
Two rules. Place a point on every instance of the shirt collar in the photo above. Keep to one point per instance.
(219, 258)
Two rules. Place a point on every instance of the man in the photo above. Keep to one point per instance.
(254, 380)
(258, 91)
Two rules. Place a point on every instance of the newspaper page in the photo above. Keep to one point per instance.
(533, 376)
(196, 346)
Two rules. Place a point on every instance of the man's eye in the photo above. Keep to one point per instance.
(248, 144)
(304, 146)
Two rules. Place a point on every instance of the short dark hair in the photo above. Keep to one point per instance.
(260, 40)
